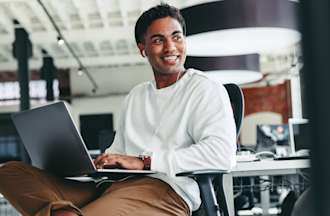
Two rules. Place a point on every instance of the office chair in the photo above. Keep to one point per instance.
(211, 198)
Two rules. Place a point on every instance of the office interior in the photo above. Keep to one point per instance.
(83, 52)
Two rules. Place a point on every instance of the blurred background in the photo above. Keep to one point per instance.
(84, 52)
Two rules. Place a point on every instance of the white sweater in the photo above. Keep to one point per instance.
(187, 126)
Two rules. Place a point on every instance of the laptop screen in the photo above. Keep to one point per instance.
(53, 141)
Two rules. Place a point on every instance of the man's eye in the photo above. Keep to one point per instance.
(157, 41)
(177, 37)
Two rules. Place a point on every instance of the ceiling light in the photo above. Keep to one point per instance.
(80, 72)
(239, 69)
(235, 27)
(60, 41)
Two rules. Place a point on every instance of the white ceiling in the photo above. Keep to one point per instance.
(101, 32)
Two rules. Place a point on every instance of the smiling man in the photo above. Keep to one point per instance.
(180, 121)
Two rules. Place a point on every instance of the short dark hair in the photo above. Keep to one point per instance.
(160, 11)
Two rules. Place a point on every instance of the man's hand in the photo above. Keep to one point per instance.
(107, 160)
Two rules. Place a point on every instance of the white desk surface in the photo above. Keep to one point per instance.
(269, 167)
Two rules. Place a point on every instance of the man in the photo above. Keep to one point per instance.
(181, 121)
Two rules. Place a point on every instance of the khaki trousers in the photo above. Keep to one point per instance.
(35, 192)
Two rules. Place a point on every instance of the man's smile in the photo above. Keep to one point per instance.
(170, 59)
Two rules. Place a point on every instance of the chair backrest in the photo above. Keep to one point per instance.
(206, 186)
(237, 102)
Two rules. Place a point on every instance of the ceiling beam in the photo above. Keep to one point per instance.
(112, 34)
(6, 1)
(15, 8)
(57, 8)
(4, 51)
(123, 6)
(40, 13)
(6, 22)
(148, 4)
(81, 10)
(101, 5)
(88, 62)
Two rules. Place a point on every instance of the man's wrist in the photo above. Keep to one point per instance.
(146, 158)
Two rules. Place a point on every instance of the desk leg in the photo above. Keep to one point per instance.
(294, 181)
(229, 193)
(265, 196)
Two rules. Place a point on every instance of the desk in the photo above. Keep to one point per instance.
(259, 168)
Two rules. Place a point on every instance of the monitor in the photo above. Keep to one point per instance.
(273, 138)
(97, 130)
(299, 134)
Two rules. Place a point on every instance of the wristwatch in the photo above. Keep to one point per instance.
(146, 158)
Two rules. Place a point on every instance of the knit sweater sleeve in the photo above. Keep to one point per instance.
(212, 127)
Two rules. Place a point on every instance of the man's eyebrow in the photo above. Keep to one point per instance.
(156, 35)
(160, 35)
(177, 32)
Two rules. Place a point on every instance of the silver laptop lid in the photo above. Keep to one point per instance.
(53, 141)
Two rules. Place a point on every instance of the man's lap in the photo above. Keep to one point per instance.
(135, 196)
(139, 196)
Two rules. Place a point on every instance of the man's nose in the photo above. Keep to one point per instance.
(169, 45)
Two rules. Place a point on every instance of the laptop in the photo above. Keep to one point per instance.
(54, 144)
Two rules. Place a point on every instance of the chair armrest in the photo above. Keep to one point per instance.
(209, 197)
(196, 173)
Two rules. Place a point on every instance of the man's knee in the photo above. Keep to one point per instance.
(11, 164)
(12, 167)
(12, 171)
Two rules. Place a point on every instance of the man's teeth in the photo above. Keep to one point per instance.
(170, 58)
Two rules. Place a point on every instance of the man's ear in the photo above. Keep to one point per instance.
(142, 49)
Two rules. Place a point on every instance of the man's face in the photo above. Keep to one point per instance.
(165, 46)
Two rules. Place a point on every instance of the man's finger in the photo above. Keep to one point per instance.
(100, 158)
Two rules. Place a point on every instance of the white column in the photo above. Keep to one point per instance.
(296, 92)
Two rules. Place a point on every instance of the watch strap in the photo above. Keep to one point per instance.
(146, 161)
